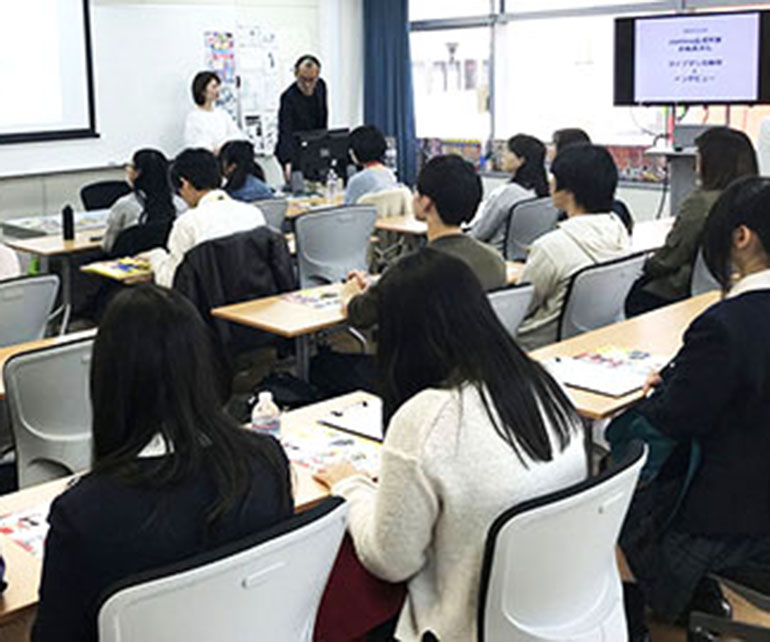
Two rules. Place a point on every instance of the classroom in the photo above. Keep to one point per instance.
(368, 321)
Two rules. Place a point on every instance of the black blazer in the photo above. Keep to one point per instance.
(299, 113)
(103, 531)
(717, 389)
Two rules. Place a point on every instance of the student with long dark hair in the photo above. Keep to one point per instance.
(525, 158)
(473, 427)
(712, 399)
(724, 155)
(245, 179)
(173, 476)
(151, 199)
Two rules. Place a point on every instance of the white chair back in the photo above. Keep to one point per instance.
(512, 304)
(274, 211)
(333, 242)
(50, 410)
(597, 293)
(268, 588)
(702, 280)
(528, 221)
(391, 202)
(550, 572)
(25, 305)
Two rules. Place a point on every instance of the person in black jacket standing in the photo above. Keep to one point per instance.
(713, 399)
(303, 108)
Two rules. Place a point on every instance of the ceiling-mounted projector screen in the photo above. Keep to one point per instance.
(45, 71)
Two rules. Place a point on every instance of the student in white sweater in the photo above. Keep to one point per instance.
(9, 263)
(474, 427)
(208, 126)
(584, 181)
(212, 214)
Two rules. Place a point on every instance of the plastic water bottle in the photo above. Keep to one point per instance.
(331, 186)
(265, 416)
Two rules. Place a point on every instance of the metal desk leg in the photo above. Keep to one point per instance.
(303, 357)
(66, 292)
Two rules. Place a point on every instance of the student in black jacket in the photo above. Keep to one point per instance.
(173, 476)
(714, 398)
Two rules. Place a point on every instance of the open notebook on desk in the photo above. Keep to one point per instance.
(126, 270)
(363, 418)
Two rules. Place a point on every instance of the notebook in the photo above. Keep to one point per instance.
(363, 418)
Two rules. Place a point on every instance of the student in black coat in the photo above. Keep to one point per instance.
(173, 476)
(713, 398)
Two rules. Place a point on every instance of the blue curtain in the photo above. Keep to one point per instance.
(388, 98)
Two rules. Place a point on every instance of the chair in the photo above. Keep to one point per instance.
(140, 238)
(528, 220)
(25, 306)
(512, 304)
(50, 411)
(102, 194)
(274, 210)
(596, 294)
(549, 571)
(391, 202)
(268, 587)
(701, 279)
(333, 242)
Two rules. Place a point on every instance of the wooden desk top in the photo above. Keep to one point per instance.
(23, 568)
(402, 225)
(284, 317)
(299, 206)
(9, 351)
(658, 332)
(55, 245)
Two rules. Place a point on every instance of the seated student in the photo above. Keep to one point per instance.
(448, 193)
(173, 475)
(584, 184)
(723, 155)
(713, 396)
(525, 158)
(9, 263)
(151, 199)
(473, 427)
(212, 214)
(367, 148)
(245, 178)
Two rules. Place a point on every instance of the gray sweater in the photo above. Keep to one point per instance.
(491, 223)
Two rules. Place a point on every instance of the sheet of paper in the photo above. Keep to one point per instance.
(27, 528)
(364, 418)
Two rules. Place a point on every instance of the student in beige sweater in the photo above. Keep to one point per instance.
(474, 427)
(584, 182)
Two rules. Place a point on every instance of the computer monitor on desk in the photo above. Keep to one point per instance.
(322, 150)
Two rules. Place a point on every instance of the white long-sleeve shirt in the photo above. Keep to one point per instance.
(9, 263)
(215, 216)
(445, 476)
(210, 129)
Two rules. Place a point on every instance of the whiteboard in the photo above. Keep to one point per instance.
(144, 59)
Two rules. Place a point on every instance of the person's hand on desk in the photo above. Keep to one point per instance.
(335, 473)
(653, 381)
(355, 285)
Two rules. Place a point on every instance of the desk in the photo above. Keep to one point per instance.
(23, 569)
(9, 351)
(47, 246)
(299, 206)
(288, 318)
(659, 332)
(402, 225)
(35, 226)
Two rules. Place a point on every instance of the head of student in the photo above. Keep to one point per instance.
(147, 173)
(237, 162)
(307, 70)
(438, 330)
(194, 173)
(151, 376)
(724, 155)
(525, 159)
(736, 238)
(584, 180)
(367, 145)
(563, 138)
(449, 189)
(205, 88)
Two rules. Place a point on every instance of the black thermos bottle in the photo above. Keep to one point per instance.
(68, 223)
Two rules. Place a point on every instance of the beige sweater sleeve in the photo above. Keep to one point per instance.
(391, 521)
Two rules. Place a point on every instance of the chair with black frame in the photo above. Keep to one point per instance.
(550, 570)
(26, 304)
(701, 279)
(102, 194)
(267, 587)
(274, 211)
(511, 305)
(597, 293)
(527, 221)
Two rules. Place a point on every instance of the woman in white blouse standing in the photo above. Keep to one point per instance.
(473, 427)
(208, 126)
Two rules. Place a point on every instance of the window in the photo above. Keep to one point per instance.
(440, 9)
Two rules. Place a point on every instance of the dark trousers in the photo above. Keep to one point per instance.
(640, 301)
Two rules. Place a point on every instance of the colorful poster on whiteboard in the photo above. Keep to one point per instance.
(220, 58)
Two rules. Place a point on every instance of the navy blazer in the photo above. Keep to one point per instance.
(717, 389)
(103, 531)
